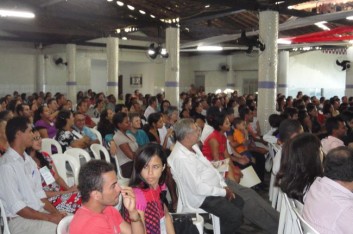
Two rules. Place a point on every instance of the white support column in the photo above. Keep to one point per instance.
(283, 65)
(41, 74)
(172, 66)
(267, 67)
(71, 72)
(349, 74)
(230, 73)
(113, 65)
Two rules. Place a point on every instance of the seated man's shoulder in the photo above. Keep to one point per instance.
(86, 221)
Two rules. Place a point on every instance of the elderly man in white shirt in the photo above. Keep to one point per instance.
(26, 206)
(206, 188)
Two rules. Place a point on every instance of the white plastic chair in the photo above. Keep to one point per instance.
(3, 221)
(79, 153)
(97, 149)
(292, 225)
(98, 134)
(306, 228)
(60, 164)
(282, 214)
(183, 206)
(121, 180)
(47, 144)
(273, 191)
(64, 224)
(298, 205)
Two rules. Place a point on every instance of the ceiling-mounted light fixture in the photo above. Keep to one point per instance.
(120, 3)
(18, 14)
(142, 12)
(209, 48)
(130, 7)
(283, 41)
(322, 25)
(152, 16)
(155, 50)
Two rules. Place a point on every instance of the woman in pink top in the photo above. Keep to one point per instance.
(148, 182)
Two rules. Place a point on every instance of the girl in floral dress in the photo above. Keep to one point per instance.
(63, 197)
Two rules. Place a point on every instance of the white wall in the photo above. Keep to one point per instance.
(312, 71)
(18, 70)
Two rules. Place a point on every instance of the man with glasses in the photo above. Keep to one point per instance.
(205, 188)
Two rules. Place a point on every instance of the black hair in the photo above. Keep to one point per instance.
(218, 121)
(37, 113)
(333, 124)
(61, 119)
(338, 164)
(18, 123)
(119, 118)
(143, 156)
(39, 155)
(290, 112)
(300, 165)
(164, 101)
(275, 120)
(154, 118)
(90, 177)
(287, 128)
(119, 107)
(20, 107)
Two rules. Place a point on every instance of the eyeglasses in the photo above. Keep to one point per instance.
(37, 138)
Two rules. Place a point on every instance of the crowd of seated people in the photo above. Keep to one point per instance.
(128, 126)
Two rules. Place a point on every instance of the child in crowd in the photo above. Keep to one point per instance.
(240, 136)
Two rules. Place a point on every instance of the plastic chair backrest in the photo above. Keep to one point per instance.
(60, 164)
(98, 134)
(97, 149)
(298, 205)
(183, 205)
(306, 227)
(292, 225)
(64, 224)
(79, 153)
(47, 144)
(118, 169)
(3, 221)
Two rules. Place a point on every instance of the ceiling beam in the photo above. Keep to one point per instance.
(291, 24)
(50, 3)
(210, 15)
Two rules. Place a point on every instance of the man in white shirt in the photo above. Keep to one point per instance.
(26, 206)
(336, 130)
(206, 189)
(152, 107)
(328, 205)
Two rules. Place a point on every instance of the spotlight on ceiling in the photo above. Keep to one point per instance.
(120, 3)
(155, 50)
